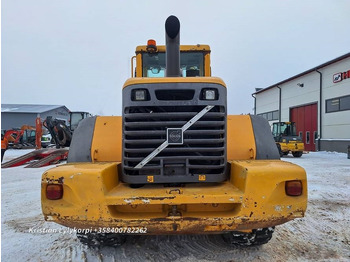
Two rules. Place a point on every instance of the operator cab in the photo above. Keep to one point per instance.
(284, 130)
(150, 60)
(76, 117)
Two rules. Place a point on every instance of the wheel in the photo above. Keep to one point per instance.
(257, 237)
(101, 239)
(297, 154)
(285, 153)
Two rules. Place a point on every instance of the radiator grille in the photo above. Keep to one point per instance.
(203, 150)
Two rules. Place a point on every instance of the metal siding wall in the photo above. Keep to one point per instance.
(330, 89)
(267, 101)
(336, 125)
(16, 120)
(293, 95)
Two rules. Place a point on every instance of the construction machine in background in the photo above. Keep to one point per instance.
(174, 162)
(23, 137)
(75, 118)
(286, 139)
(61, 133)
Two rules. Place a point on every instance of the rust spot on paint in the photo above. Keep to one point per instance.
(175, 227)
(148, 198)
(59, 180)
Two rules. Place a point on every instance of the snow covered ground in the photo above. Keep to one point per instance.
(323, 235)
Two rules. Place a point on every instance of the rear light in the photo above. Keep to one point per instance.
(294, 188)
(54, 191)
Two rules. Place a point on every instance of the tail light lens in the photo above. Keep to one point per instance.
(54, 191)
(294, 188)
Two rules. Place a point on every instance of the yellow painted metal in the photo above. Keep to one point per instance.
(240, 138)
(207, 67)
(292, 146)
(107, 140)
(183, 48)
(155, 80)
(138, 64)
(254, 197)
(205, 49)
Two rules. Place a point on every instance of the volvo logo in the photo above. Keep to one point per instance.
(175, 136)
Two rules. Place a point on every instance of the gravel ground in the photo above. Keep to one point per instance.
(323, 235)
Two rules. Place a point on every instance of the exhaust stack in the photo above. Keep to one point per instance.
(172, 41)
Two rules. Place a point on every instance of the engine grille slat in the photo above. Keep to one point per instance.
(172, 124)
(139, 133)
(186, 141)
(138, 159)
(174, 115)
(174, 149)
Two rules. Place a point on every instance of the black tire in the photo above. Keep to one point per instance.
(279, 150)
(297, 154)
(101, 239)
(257, 237)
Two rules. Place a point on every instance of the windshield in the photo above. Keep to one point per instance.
(284, 129)
(191, 63)
(75, 119)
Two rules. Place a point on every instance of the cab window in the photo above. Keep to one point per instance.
(191, 64)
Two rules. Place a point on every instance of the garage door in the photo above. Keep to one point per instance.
(305, 118)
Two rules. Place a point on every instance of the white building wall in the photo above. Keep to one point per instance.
(293, 95)
(267, 101)
(335, 125)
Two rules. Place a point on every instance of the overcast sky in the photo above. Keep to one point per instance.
(77, 53)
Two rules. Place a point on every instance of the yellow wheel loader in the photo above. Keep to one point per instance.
(174, 162)
(286, 139)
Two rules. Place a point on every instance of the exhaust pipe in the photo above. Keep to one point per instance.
(172, 50)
